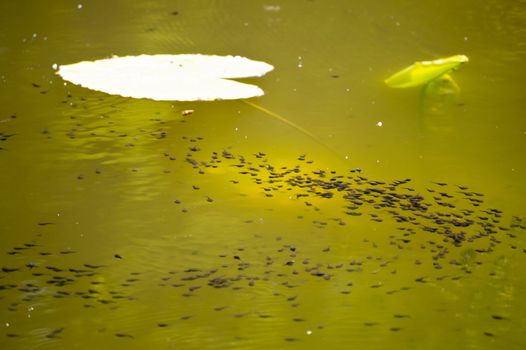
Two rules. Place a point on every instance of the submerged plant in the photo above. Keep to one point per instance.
(439, 90)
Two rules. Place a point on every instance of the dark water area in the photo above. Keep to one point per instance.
(130, 223)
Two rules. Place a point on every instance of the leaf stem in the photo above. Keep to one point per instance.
(293, 125)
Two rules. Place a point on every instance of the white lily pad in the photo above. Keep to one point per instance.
(169, 77)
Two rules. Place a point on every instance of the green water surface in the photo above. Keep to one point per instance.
(126, 225)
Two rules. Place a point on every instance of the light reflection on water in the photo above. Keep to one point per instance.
(90, 180)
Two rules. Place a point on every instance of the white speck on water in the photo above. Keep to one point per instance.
(245, 24)
(379, 124)
(347, 157)
(7, 324)
(80, 6)
(465, 38)
(236, 129)
(348, 90)
(54, 66)
(309, 332)
(300, 62)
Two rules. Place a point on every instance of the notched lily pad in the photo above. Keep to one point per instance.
(189, 77)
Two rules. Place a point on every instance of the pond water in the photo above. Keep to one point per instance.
(126, 224)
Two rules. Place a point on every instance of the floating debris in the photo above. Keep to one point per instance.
(124, 335)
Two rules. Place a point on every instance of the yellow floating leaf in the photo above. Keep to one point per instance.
(421, 73)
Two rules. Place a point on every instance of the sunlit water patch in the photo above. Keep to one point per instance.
(357, 243)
